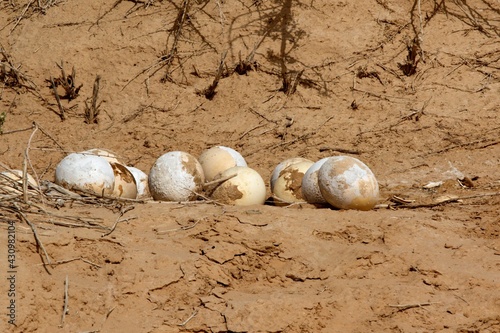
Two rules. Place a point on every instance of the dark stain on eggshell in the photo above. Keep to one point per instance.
(293, 179)
(121, 171)
(227, 193)
(191, 165)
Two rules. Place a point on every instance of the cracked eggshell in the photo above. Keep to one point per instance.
(125, 185)
(218, 159)
(347, 183)
(8, 179)
(277, 170)
(104, 153)
(87, 173)
(246, 188)
(310, 186)
(141, 180)
(17, 176)
(288, 186)
(176, 176)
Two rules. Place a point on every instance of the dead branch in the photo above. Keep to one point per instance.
(65, 307)
(122, 212)
(403, 307)
(210, 92)
(92, 110)
(35, 233)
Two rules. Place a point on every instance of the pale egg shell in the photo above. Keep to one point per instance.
(218, 159)
(17, 176)
(277, 170)
(88, 173)
(11, 181)
(288, 186)
(104, 153)
(310, 186)
(176, 176)
(246, 188)
(141, 179)
(347, 183)
(125, 185)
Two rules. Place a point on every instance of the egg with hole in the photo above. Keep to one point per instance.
(310, 186)
(176, 176)
(125, 185)
(104, 153)
(141, 180)
(288, 186)
(277, 170)
(244, 186)
(218, 159)
(87, 173)
(347, 183)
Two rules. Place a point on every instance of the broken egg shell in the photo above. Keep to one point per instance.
(347, 183)
(176, 176)
(218, 159)
(141, 180)
(88, 173)
(11, 181)
(125, 185)
(310, 186)
(288, 187)
(246, 188)
(277, 170)
(17, 176)
(104, 153)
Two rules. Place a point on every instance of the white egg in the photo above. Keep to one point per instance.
(246, 187)
(288, 186)
(277, 170)
(88, 173)
(310, 186)
(104, 153)
(347, 183)
(176, 176)
(125, 185)
(218, 159)
(141, 179)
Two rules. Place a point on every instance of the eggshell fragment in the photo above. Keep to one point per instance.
(277, 170)
(218, 159)
(246, 187)
(11, 181)
(176, 176)
(88, 173)
(288, 186)
(141, 180)
(104, 153)
(125, 185)
(310, 186)
(347, 183)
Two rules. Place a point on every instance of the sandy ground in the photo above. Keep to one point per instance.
(411, 89)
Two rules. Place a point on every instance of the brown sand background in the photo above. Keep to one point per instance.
(210, 268)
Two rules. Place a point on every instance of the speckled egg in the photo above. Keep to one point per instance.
(246, 187)
(347, 183)
(288, 186)
(310, 186)
(282, 165)
(176, 176)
